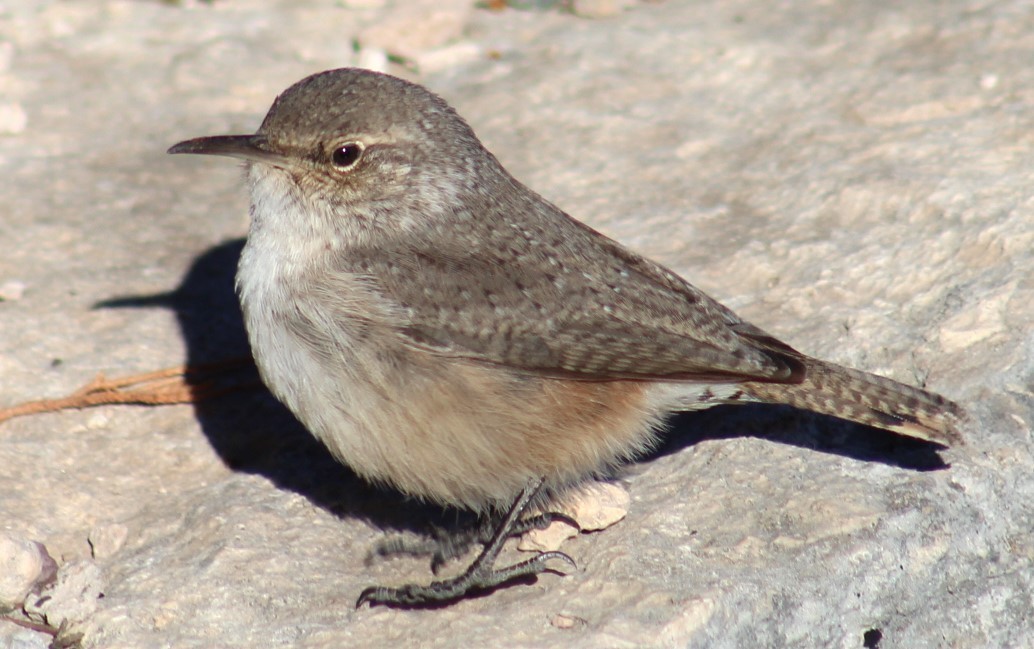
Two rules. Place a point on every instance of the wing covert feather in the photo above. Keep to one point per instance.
(611, 314)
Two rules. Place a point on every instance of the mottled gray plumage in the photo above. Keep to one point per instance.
(494, 272)
(445, 329)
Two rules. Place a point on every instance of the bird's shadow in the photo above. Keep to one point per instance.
(810, 430)
(247, 427)
(252, 432)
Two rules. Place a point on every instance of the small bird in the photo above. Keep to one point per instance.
(445, 330)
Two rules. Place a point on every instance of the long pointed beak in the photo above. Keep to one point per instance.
(246, 147)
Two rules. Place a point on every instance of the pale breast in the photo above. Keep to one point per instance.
(455, 431)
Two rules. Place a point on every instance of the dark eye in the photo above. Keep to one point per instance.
(346, 155)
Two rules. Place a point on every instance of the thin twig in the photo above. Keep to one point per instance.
(161, 387)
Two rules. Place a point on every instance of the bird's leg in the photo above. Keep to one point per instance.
(443, 544)
(481, 575)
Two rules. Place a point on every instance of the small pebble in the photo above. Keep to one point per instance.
(6, 53)
(106, 540)
(596, 506)
(13, 119)
(364, 4)
(72, 598)
(599, 8)
(12, 290)
(24, 565)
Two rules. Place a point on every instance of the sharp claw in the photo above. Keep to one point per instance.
(546, 556)
(366, 596)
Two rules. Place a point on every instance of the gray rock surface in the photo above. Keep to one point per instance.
(854, 177)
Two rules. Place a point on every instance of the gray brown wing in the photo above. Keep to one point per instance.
(627, 318)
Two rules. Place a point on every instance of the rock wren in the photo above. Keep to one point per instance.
(445, 330)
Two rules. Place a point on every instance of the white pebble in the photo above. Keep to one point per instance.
(13, 119)
(23, 564)
(12, 290)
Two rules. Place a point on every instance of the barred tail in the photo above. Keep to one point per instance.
(867, 399)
